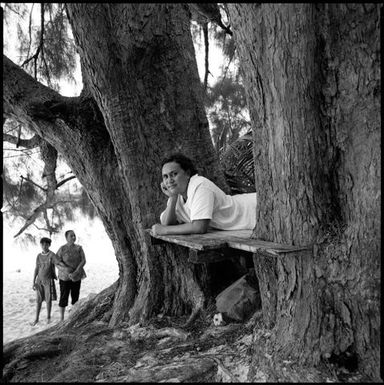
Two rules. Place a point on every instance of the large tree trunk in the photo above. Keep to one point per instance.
(144, 79)
(312, 79)
(142, 99)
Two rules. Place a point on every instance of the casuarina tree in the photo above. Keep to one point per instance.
(311, 73)
(142, 99)
(312, 77)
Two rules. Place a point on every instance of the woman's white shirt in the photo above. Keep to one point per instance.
(207, 201)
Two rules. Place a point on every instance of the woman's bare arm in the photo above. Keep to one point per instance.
(35, 273)
(169, 215)
(82, 261)
(199, 226)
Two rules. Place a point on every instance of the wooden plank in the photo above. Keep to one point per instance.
(236, 239)
(253, 245)
(194, 241)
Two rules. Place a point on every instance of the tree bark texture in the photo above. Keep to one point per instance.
(142, 99)
(143, 76)
(311, 73)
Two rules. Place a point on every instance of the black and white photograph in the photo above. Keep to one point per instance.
(192, 192)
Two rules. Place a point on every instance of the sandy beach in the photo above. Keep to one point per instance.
(19, 300)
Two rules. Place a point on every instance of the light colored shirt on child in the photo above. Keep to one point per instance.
(46, 267)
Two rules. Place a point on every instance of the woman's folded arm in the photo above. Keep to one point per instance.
(168, 217)
(199, 226)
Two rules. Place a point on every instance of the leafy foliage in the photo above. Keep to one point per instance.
(46, 50)
(59, 48)
(226, 106)
(21, 195)
(228, 114)
(225, 42)
(44, 44)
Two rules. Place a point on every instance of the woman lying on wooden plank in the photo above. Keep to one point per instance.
(196, 204)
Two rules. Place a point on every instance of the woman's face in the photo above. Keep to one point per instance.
(175, 178)
(71, 238)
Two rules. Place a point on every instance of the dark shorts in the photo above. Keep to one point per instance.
(67, 287)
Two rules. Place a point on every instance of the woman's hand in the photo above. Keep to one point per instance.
(158, 229)
(166, 191)
(65, 269)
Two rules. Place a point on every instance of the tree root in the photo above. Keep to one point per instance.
(182, 371)
(221, 366)
(12, 367)
(195, 313)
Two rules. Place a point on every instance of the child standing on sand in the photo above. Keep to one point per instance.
(43, 279)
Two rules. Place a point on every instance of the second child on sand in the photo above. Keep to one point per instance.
(43, 279)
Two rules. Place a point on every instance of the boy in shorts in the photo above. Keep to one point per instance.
(43, 279)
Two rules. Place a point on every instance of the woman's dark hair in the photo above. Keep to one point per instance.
(67, 232)
(185, 163)
(45, 240)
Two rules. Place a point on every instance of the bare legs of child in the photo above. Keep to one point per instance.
(49, 307)
(38, 308)
(62, 311)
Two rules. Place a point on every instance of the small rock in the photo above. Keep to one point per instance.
(218, 319)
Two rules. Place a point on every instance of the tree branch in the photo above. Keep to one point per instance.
(39, 107)
(65, 181)
(19, 155)
(211, 12)
(47, 113)
(30, 30)
(18, 136)
(32, 182)
(40, 47)
(206, 45)
(49, 230)
(26, 143)
(32, 218)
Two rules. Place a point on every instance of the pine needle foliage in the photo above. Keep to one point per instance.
(45, 47)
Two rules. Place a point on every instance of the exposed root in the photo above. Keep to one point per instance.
(221, 367)
(195, 313)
